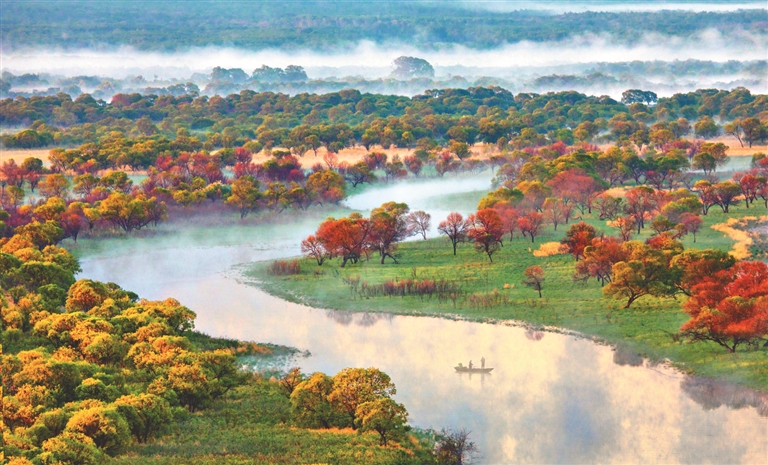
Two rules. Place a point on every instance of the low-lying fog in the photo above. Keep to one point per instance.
(577, 63)
(374, 60)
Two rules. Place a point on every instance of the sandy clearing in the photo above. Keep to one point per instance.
(355, 154)
(19, 155)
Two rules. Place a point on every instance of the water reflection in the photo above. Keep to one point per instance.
(534, 334)
(359, 319)
(712, 394)
(552, 398)
(622, 356)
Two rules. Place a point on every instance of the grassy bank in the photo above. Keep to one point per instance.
(493, 291)
(249, 425)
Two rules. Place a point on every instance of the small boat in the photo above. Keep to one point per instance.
(463, 369)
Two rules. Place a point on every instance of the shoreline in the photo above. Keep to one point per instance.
(647, 329)
(679, 367)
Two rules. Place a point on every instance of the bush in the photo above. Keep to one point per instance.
(105, 426)
(147, 414)
(284, 268)
(71, 448)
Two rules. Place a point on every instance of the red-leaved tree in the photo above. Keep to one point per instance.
(730, 308)
(486, 231)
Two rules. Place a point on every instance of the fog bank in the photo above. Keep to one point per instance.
(373, 60)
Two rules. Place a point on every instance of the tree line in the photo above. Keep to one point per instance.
(321, 26)
(306, 122)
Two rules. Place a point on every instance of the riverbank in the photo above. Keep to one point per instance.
(493, 292)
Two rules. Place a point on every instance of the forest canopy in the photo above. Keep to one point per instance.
(318, 24)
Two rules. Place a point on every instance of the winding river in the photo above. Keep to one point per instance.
(551, 398)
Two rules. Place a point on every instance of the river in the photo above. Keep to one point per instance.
(551, 398)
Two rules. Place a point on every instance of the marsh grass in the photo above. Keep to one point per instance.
(493, 291)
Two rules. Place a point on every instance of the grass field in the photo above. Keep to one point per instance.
(248, 426)
(647, 327)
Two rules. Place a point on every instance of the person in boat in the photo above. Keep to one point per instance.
(482, 362)
(470, 364)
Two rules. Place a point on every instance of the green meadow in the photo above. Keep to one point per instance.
(251, 425)
(494, 291)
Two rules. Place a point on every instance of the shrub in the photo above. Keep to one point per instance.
(284, 268)
(104, 425)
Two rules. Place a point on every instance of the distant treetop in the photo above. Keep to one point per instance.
(411, 67)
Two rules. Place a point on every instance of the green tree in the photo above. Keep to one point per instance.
(310, 407)
(71, 448)
(146, 414)
(383, 415)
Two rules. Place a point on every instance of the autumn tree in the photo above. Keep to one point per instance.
(353, 387)
(691, 224)
(553, 211)
(578, 237)
(131, 213)
(291, 380)
(326, 186)
(640, 202)
(72, 447)
(486, 231)
(455, 228)
(730, 308)
(104, 425)
(599, 258)
(359, 173)
(389, 226)
(146, 414)
(54, 185)
(313, 248)
(310, 407)
(691, 266)
(346, 237)
(645, 271)
(383, 415)
(419, 222)
(609, 207)
(530, 225)
(726, 194)
(245, 195)
(534, 278)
